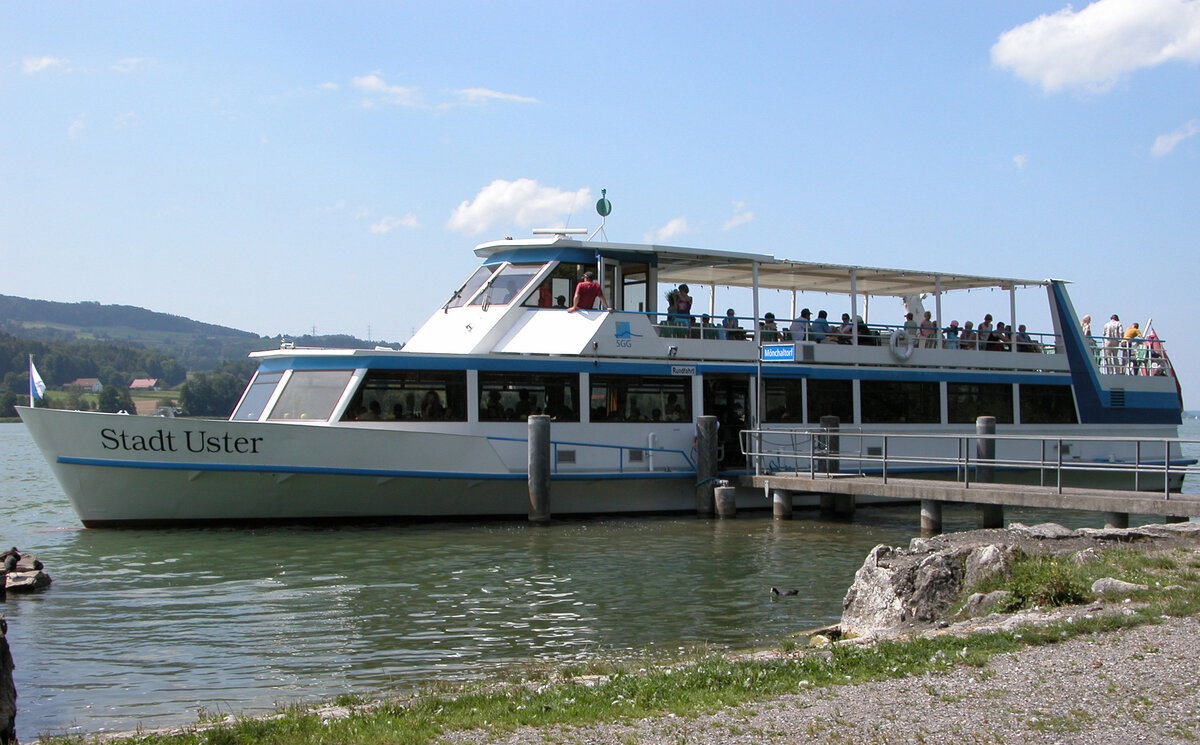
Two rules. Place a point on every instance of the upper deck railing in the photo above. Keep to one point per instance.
(1127, 357)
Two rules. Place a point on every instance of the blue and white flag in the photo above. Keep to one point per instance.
(37, 386)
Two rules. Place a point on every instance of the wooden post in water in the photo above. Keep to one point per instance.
(706, 465)
(990, 515)
(539, 468)
(726, 501)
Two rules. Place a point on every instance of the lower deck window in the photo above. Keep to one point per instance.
(968, 401)
(1048, 404)
(900, 402)
(513, 397)
(784, 401)
(410, 396)
(641, 398)
(830, 398)
(311, 395)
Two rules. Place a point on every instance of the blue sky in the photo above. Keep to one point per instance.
(282, 166)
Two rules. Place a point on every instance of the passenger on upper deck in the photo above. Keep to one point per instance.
(801, 326)
(984, 329)
(770, 332)
(951, 334)
(928, 331)
(845, 332)
(1024, 342)
(730, 328)
(819, 331)
(969, 339)
(586, 293)
(1113, 333)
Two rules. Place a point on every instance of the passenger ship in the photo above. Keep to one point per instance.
(438, 428)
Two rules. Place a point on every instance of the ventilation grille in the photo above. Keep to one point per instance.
(566, 456)
(1116, 398)
(637, 456)
(809, 353)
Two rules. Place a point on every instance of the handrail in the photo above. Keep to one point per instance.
(621, 460)
(772, 448)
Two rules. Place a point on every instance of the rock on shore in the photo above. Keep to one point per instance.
(900, 590)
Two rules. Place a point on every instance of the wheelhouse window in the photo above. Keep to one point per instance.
(784, 400)
(513, 397)
(472, 285)
(830, 398)
(410, 396)
(900, 402)
(1048, 404)
(968, 401)
(257, 396)
(558, 289)
(311, 395)
(505, 285)
(641, 398)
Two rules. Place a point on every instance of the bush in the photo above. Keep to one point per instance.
(1044, 581)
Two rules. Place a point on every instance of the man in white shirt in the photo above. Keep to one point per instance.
(1113, 333)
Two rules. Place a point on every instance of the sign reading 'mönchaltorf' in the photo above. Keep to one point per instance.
(779, 353)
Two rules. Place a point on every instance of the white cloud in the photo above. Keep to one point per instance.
(132, 64)
(76, 129)
(1092, 48)
(523, 203)
(390, 223)
(675, 227)
(378, 90)
(34, 65)
(328, 87)
(128, 120)
(741, 216)
(483, 95)
(1020, 161)
(1164, 144)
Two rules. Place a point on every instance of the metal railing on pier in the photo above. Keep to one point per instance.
(1137, 463)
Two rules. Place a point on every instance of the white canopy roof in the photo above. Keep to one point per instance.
(734, 269)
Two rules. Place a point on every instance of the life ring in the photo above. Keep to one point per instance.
(901, 344)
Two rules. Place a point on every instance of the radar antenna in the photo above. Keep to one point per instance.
(604, 209)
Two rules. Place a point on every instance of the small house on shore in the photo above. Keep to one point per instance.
(144, 384)
(91, 385)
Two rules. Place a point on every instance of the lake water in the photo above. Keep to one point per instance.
(154, 627)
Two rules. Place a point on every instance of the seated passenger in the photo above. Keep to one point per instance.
(731, 328)
(560, 301)
(819, 331)
(768, 329)
(845, 332)
(1024, 342)
(801, 326)
(707, 329)
(398, 411)
(431, 407)
(494, 410)
(372, 414)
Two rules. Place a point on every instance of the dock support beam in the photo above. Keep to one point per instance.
(840, 506)
(990, 515)
(1116, 519)
(781, 504)
(1176, 519)
(931, 517)
(539, 469)
(726, 500)
(706, 465)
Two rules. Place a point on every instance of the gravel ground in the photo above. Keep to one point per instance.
(1134, 685)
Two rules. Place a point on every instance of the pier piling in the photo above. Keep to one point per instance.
(831, 444)
(931, 517)
(539, 469)
(781, 504)
(1116, 519)
(706, 465)
(726, 501)
(990, 515)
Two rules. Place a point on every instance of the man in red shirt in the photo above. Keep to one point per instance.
(586, 293)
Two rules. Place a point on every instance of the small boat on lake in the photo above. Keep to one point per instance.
(438, 428)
